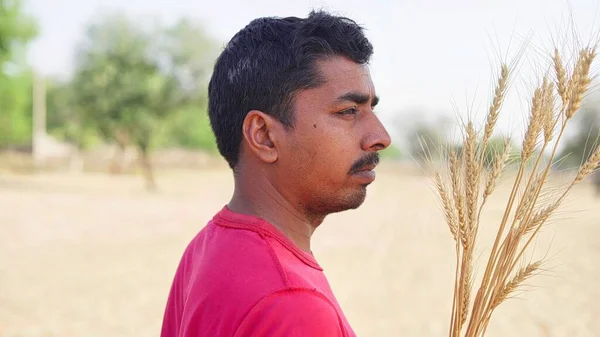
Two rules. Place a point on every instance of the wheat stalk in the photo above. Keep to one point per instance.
(447, 204)
(580, 82)
(588, 168)
(494, 111)
(510, 287)
(548, 107)
(499, 165)
(458, 197)
(561, 78)
(472, 177)
(523, 217)
(538, 219)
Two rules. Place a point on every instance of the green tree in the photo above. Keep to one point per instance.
(119, 87)
(65, 119)
(426, 142)
(392, 152)
(136, 82)
(586, 134)
(17, 29)
(188, 54)
(15, 109)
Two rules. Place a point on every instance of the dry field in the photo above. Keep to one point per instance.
(93, 255)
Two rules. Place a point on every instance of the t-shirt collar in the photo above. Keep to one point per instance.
(228, 218)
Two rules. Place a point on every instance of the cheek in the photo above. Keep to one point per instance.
(323, 153)
(304, 151)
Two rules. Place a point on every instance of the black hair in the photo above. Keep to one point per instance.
(267, 62)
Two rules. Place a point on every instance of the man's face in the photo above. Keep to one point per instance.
(325, 162)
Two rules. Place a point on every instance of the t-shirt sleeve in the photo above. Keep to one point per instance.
(292, 313)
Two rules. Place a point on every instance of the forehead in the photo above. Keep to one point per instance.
(342, 75)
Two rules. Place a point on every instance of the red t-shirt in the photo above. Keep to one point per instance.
(240, 277)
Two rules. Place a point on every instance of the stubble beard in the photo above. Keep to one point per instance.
(329, 204)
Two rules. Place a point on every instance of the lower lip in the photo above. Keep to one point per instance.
(366, 176)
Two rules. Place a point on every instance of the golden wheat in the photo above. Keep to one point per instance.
(588, 168)
(472, 174)
(548, 119)
(520, 277)
(579, 83)
(447, 204)
(538, 219)
(499, 164)
(458, 197)
(494, 112)
(466, 282)
(462, 206)
(561, 77)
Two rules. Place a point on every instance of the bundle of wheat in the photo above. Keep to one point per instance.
(464, 184)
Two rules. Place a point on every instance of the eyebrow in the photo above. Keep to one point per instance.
(358, 98)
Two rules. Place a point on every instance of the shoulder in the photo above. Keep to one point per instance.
(230, 266)
(292, 312)
(223, 274)
(229, 250)
(226, 262)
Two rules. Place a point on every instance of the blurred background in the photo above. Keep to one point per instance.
(108, 166)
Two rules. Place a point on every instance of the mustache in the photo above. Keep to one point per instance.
(368, 159)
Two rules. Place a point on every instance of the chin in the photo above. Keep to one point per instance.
(348, 201)
(357, 199)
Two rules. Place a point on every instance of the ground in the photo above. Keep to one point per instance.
(94, 255)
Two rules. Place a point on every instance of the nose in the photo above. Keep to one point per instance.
(376, 137)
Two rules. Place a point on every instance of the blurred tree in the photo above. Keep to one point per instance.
(586, 133)
(426, 142)
(15, 110)
(424, 134)
(496, 146)
(136, 82)
(65, 119)
(392, 152)
(17, 29)
(586, 137)
(119, 87)
(187, 54)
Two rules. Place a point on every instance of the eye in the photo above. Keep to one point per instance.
(351, 111)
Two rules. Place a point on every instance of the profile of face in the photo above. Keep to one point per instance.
(325, 162)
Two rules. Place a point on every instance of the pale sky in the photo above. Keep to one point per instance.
(428, 54)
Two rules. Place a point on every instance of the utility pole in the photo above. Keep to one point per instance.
(39, 118)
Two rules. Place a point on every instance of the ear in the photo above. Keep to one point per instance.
(257, 130)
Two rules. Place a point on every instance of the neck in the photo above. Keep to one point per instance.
(257, 196)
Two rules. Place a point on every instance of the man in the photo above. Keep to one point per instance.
(291, 106)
